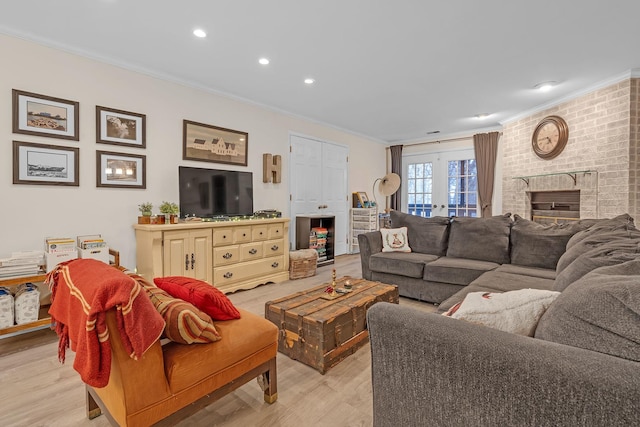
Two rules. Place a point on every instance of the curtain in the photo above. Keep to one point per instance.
(396, 167)
(485, 146)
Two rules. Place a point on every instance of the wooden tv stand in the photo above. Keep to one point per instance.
(232, 255)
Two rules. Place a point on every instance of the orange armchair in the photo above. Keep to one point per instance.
(172, 381)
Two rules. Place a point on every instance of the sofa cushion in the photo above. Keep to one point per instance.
(400, 263)
(595, 240)
(426, 235)
(497, 281)
(250, 339)
(201, 294)
(517, 312)
(485, 239)
(541, 245)
(185, 323)
(611, 253)
(456, 270)
(620, 222)
(599, 312)
(395, 240)
(544, 273)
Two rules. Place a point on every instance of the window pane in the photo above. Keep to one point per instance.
(411, 171)
(419, 170)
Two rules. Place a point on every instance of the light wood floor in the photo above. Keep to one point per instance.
(36, 390)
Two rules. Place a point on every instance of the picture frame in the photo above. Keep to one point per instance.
(119, 127)
(43, 164)
(207, 143)
(42, 115)
(360, 197)
(121, 170)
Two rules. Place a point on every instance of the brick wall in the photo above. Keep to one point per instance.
(604, 126)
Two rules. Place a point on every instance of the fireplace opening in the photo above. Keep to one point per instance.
(555, 207)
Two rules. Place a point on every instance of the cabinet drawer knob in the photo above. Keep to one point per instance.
(275, 264)
(274, 247)
(228, 275)
(253, 251)
(227, 255)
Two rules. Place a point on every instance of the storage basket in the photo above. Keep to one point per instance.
(302, 263)
(27, 303)
(6, 308)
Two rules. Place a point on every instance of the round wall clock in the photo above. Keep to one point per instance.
(550, 137)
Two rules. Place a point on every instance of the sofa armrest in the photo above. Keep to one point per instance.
(428, 369)
(369, 243)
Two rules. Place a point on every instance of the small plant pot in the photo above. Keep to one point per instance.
(145, 219)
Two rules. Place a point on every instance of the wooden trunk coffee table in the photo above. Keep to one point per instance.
(321, 332)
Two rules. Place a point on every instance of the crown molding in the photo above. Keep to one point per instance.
(173, 79)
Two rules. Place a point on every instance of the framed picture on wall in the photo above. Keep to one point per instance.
(208, 143)
(43, 164)
(35, 114)
(120, 170)
(120, 127)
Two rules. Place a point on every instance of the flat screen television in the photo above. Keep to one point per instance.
(208, 193)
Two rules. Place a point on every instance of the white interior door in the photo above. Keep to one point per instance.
(319, 184)
(440, 184)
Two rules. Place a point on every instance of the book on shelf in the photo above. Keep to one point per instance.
(91, 241)
(59, 244)
(23, 258)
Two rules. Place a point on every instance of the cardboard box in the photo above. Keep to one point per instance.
(56, 258)
(101, 254)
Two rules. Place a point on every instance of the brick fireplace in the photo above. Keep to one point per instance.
(600, 161)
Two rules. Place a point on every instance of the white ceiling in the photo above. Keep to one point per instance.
(392, 70)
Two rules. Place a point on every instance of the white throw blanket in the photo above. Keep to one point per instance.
(517, 312)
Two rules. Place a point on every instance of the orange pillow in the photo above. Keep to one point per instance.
(201, 294)
(185, 323)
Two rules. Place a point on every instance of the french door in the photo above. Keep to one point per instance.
(440, 184)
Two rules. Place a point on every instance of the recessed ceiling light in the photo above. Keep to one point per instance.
(263, 61)
(545, 86)
(309, 81)
(199, 33)
(482, 116)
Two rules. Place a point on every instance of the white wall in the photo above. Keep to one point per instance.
(32, 212)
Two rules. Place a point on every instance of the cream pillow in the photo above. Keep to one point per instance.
(517, 312)
(395, 240)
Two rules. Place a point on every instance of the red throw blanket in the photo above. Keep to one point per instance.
(82, 291)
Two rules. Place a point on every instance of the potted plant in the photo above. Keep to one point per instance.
(146, 210)
(171, 211)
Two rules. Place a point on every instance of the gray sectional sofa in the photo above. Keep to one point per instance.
(581, 367)
(450, 255)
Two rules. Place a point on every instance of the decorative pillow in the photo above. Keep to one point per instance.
(599, 312)
(201, 294)
(517, 312)
(425, 235)
(185, 323)
(541, 245)
(484, 239)
(395, 240)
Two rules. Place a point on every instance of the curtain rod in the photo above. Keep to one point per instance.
(438, 141)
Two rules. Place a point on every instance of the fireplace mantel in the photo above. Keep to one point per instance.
(572, 174)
